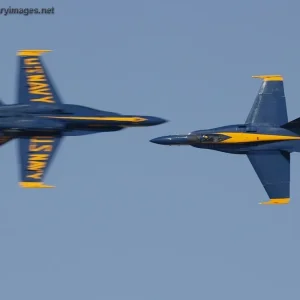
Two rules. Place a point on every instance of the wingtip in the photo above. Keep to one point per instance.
(269, 77)
(32, 52)
(277, 201)
(34, 185)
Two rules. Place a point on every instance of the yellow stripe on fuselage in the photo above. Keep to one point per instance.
(116, 119)
(241, 137)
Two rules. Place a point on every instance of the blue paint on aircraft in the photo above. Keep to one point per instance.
(40, 120)
(267, 138)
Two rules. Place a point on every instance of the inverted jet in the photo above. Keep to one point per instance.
(40, 120)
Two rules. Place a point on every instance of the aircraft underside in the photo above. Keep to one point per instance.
(40, 120)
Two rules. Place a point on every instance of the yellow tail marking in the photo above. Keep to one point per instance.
(35, 185)
(269, 77)
(276, 201)
(240, 137)
(119, 119)
(33, 52)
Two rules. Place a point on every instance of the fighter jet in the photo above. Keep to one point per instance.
(40, 120)
(267, 138)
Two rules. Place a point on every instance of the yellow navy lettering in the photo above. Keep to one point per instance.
(38, 156)
(31, 61)
(36, 165)
(36, 148)
(38, 87)
(36, 78)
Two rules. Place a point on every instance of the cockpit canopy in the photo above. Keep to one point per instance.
(212, 138)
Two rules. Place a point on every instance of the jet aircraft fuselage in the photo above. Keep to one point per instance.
(40, 120)
(26, 120)
(267, 138)
(237, 139)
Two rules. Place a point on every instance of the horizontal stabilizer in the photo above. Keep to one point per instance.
(295, 124)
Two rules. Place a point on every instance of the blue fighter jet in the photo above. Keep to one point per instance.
(40, 120)
(267, 138)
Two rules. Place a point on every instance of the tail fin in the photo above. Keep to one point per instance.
(295, 124)
(1, 102)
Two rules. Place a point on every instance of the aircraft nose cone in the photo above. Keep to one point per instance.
(172, 140)
(160, 141)
(162, 121)
(157, 121)
(152, 121)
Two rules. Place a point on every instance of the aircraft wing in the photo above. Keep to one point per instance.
(273, 170)
(36, 155)
(34, 82)
(269, 106)
(35, 86)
